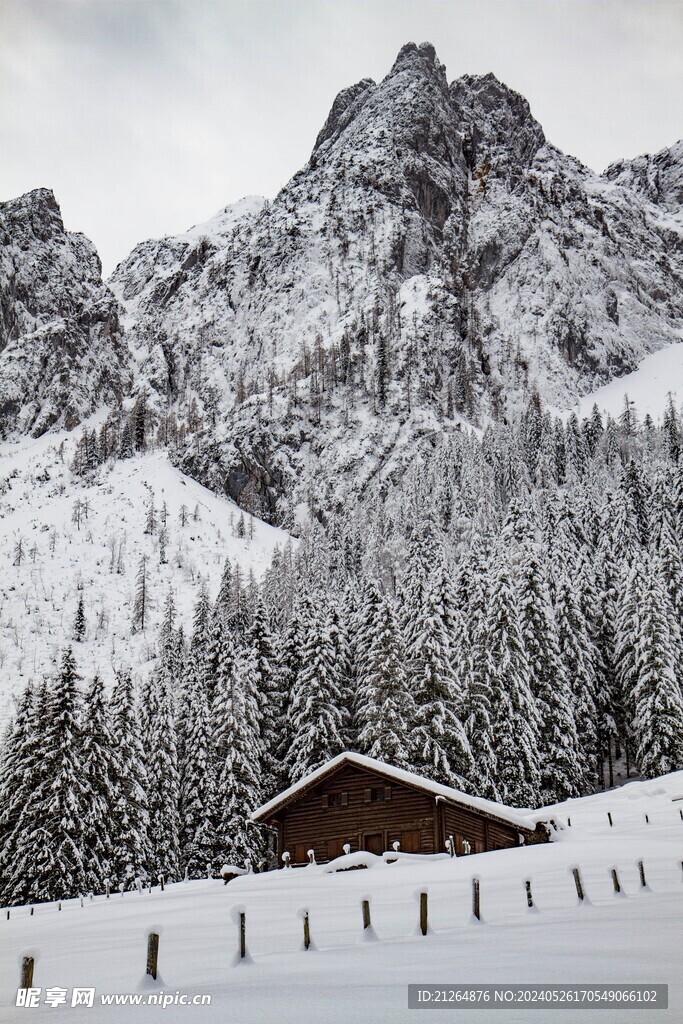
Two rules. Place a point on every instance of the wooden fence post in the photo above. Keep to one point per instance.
(366, 914)
(32, 909)
(529, 897)
(609, 815)
(307, 930)
(27, 965)
(476, 899)
(8, 915)
(647, 819)
(152, 954)
(615, 880)
(424, 913)
(577, 882)
(161, 882)
(243, 935)
(641, 872)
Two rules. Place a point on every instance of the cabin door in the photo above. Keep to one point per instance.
(373, 842)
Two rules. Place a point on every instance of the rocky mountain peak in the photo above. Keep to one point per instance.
(61, 350)
(657, 177)
(420, 59)
(36, 213)
(346, 105)
(500, 130)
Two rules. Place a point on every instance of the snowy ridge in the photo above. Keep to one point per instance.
(399, 775)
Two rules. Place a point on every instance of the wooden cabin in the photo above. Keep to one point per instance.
(370, 805)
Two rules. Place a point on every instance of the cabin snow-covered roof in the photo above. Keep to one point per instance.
(522, 819)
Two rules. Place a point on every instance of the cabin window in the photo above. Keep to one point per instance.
(377, 794)
(336, 799)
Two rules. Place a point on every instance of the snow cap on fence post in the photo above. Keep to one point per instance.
(304, 917)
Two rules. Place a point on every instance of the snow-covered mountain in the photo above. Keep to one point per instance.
(432, 209)
(435, 239)
(424, 208)
(62, 351)
(436, 261)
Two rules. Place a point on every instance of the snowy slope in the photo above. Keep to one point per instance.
(348, 975)
(38, 598)
(659, 375)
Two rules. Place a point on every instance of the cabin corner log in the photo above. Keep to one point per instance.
(27, 965)
(152, 954)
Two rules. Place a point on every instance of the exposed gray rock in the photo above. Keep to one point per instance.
(61, 347)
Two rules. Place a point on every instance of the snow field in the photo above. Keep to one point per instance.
(657, 375)
(38, 597)
(347, 975)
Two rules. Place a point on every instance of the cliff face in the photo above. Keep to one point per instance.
(61, 349)
(435, 260)
(545, 275)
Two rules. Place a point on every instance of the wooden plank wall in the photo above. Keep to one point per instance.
(482, 833)
(408, 816)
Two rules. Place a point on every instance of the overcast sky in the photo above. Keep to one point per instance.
(147, 116)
